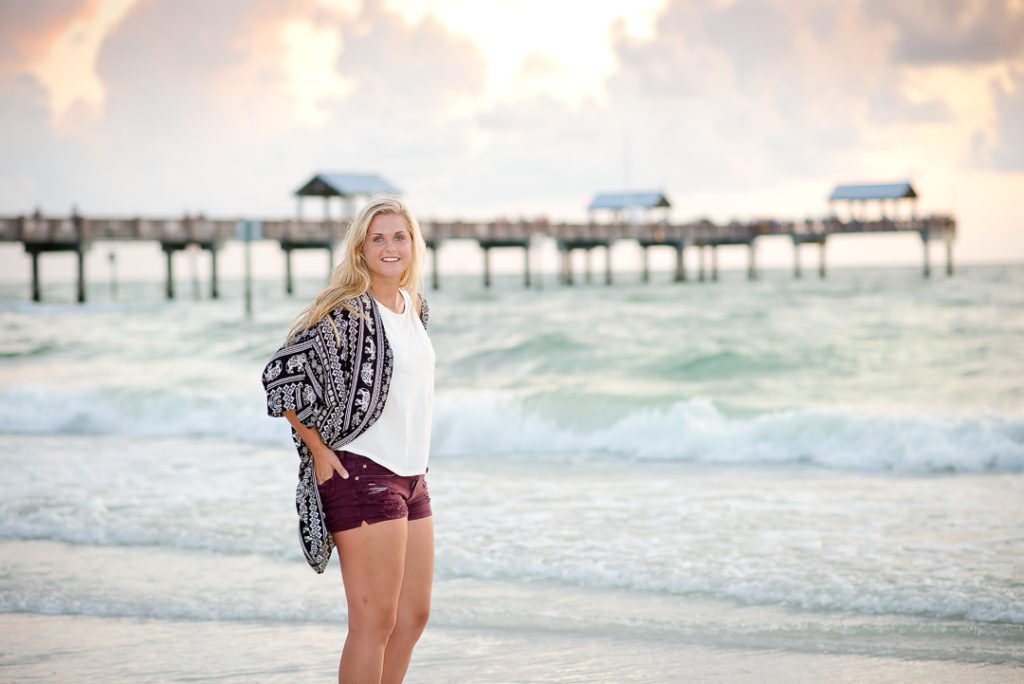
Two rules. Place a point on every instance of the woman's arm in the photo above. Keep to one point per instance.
(325, 461)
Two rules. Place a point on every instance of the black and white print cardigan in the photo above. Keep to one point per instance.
(338, 389)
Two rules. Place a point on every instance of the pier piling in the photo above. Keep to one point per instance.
(288, 288)
(37, 295)
(214, 289)
(169, 285)
(435, 278)
(927, 257)
(487, 266)
(948, 239)
(680, 276)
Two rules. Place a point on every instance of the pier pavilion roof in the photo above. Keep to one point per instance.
(877, 191)
(628, 200)
(345, 185)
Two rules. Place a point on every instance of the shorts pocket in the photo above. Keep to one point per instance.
(323, 485)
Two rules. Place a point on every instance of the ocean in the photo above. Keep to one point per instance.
(778, 480)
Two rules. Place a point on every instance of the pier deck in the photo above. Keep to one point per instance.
(40, 234)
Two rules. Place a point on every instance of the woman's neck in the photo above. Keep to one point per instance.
(387, 294)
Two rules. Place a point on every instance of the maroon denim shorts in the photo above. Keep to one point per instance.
(371, 494)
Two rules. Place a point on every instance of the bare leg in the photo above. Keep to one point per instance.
(372, 565)
(413, 601)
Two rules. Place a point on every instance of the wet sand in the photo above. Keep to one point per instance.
(62, 648)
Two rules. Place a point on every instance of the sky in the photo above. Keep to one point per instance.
(479, 109)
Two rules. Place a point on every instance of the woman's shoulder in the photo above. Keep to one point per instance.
(353, 307)
(422, 308)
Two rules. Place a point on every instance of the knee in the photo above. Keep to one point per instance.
(373, 623)
(414, 620)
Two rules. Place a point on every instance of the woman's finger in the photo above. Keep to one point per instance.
(341, 470)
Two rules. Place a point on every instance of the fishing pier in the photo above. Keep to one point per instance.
(630, 219)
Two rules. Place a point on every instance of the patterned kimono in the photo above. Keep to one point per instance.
(338, 389)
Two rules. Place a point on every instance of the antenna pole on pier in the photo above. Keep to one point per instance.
(248, 231)
(112, 260)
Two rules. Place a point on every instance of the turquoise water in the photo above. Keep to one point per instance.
(831, 465)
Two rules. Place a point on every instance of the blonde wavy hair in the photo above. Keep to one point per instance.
(351, 276)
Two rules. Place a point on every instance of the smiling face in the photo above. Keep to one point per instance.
(387, 248)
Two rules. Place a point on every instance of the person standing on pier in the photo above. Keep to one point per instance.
(355, 379)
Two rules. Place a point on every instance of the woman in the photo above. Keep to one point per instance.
(355, 379)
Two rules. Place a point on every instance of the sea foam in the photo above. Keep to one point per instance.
(482, 424)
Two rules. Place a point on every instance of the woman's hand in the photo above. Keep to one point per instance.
(325, 464)
(325, 461)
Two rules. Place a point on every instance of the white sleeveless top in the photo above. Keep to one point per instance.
(400, 439)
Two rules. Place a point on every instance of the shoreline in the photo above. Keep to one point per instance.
(86, 649)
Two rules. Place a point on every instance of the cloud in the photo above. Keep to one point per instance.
(197, 104)
(28, 145)
(761, 83)
(1008, 151)
(951, 31)
(536, 66)
(202, 111)
(407, 68)
(28, 27)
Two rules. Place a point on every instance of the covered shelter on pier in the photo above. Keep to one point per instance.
(625, 208)
(345, 186)
(620, 203)
(890, 197)
(857, 197)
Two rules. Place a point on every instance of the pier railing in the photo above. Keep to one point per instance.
(39, 234)
(199, 229)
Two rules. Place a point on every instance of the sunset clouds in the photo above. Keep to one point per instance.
(733, 108)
